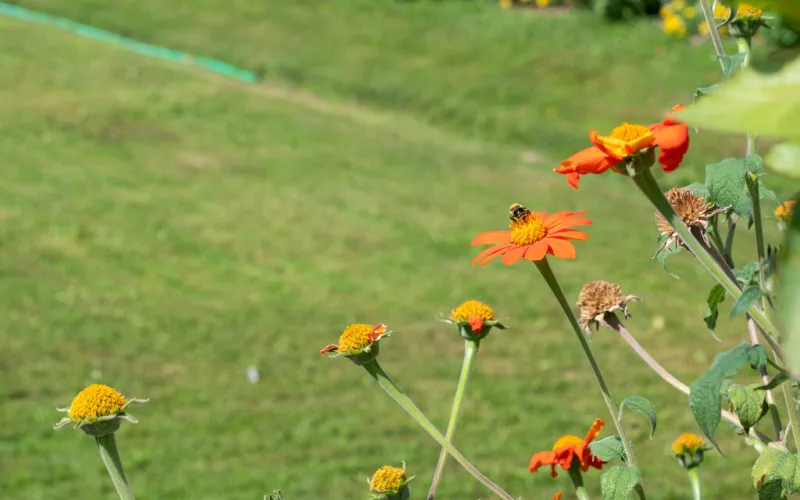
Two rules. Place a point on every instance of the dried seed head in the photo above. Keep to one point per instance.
(693, 210)
(599, 299)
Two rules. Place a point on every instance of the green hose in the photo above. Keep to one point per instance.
(128, 43)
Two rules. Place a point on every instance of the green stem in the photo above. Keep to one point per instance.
(713, 32)
(730, 235)
(577, 481)
(648, 185)
(107, 446)
(470, 355)
(694, 477)
(383, 380)
(550, 278)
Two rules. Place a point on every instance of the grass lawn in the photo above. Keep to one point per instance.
(164, 228)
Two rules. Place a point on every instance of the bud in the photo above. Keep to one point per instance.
(390, 483)
(358, 343)
(98, 410)
(746, 21)
(689, 450)
(474, 320)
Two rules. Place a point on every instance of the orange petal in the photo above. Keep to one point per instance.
(491, 237)
(566, 224)
(562, 249)
(594, 431)
(540, 459)
(537, 251)
(329, 348)
(673, 139)
(564, 457)
(476, 323)
(558, 496)
(559, 217)
(489, 253)
(513, 255)
(588, 161)
(569, 234)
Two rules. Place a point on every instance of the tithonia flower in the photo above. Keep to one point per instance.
(689, 450)
(98, 410)
(693, 210)
(532, 236)
(598, 300)
(569, 450)
(474, 319)
(629, 144)
(358, 342)
(390, 483)
(784, 211)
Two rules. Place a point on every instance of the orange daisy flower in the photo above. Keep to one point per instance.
(568, 449)
(532, 236)
(625, 142)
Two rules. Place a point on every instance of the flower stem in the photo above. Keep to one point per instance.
(470, 355)
(577, 481)
(107, 446)
(550, 278)
(694, 478)
(380, 376)
(713, 32)
(648, 185)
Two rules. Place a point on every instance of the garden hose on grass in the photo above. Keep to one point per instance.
(146, 49)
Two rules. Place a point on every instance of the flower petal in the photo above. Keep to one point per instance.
(559, 217)
(489, 253)
(513, 255)
(492, 237)
(562, 249)
(329, 348)
(537, 251)
(594, 431)
(672, 137)
(540, 459)
(587, 161)
(569, 234)
(558, 496)
(566, 224)
(476, 323)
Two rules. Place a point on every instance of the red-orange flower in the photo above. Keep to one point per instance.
(532, 236)
(558, 496)
(568, 449)
(625, 141)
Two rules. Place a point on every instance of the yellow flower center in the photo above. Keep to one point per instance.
(747, 10)
(97, 400)
(355, 337)
(627, 139)
(388, 478)
(472, 309)
(567, 441)
(527, 231)
(686, 443)
(784, 211)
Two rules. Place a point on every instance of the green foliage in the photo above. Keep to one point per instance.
(618, 482)
(785, 159)
(704, 395)
(666, 251)
(775, 473)
(730, 64)
(747, 275)
(764, 104)
(777, 380)
(715, 297)
(276, 495)
(749, 296)
(618, 10)
(783, 32)
(748, 402)
(641, 404)
(727, 186)
(608, 448)
(788, 295)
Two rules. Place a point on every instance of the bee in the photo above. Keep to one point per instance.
(518, 213)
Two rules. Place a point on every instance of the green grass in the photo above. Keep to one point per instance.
(163, 229)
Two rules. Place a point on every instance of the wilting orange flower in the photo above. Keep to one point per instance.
(626, 141)
(570, 448)
(532, 236)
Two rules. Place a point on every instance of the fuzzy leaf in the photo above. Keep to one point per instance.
(726, 183)
(748, 297)
(699, 189)
(774, 473)
(785, 159)
(608, 448)
(715, 297)
(618, 482)
(764, 104)
(748, 403)
(747, 274)
(731, 63)
(641, 404)
(703, 91)
(705, 391)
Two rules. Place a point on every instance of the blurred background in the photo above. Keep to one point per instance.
(163, 229)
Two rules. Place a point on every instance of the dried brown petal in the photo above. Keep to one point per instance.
(599, 298)
(693, 210)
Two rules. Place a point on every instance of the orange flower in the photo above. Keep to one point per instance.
(532, 236)
(558, 496)
(568, 449)
(626, 141)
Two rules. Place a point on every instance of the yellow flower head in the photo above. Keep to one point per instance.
(472, 309)
(98, 410)
(747, 10)
(389, 482)
(542, 3)
(674, 25)
(474, 319)
(687, 443)
(626, 140)
(784, 211)
(359, 342)
(97, 400)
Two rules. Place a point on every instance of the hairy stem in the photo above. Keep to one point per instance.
(386, 383)
(713, 31)
(694, 478)
(549, 277)
(470, 355)
(107, 446)
(576, 477)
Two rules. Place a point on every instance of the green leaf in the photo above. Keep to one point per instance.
(774, 473)
(618, 482)
(777, 380)
(764, 104)
(749, 404)
(747, 274)
(748, 297)
(731, 63)
(608, 448)
(785, 159)
(703, 91)
(788, 295)
(699, 189)
(277, 495)
(727, 186)
(715, 297)
(705, 391)
(641, 404)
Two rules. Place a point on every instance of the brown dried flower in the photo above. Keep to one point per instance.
(693, 210)
(597, 301)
